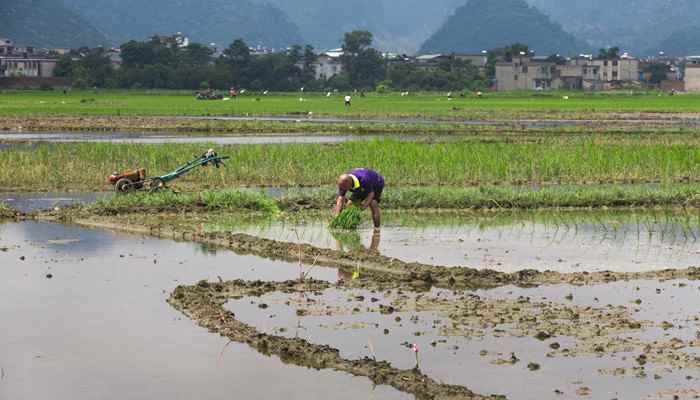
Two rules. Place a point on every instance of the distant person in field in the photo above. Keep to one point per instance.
(365, 187)
(348, 101)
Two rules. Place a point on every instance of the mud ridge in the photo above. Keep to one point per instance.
(204, 303)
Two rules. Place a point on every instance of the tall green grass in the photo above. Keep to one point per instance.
(571, 160)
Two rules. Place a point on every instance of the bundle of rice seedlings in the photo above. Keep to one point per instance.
(349, 218)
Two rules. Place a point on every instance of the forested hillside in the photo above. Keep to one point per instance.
(487, 24)
(46, 23)
(206, 21)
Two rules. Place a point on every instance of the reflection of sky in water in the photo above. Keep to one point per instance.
(27, 202)
(100, 328)
(150, 138)
(640, 242)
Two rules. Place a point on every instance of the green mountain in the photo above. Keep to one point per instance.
(204, 21)
(487, 24)
(684, 42)
(398, 26)
(633, 25)
(46, 23)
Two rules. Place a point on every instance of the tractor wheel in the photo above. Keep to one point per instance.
(124, 185)
(157, 185)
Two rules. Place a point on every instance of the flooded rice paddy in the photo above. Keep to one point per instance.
(84, 311)
(84, 316)
(166, 138)
(621, 241)
(509, 352)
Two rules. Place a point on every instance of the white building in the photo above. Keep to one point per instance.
(31, 67)
(6, 47)
(327, 64)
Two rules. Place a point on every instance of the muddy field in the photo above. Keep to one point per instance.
(195, 305)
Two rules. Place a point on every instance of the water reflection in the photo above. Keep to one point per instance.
(562, 241)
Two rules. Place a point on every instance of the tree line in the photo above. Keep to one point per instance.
(163, 62)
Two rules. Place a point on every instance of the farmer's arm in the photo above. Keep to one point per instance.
(339, 204)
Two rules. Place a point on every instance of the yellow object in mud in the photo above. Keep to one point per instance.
(356, 273)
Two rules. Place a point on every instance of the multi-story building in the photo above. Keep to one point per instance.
(6, 47)
(623, 69)
(528, 73)
(29, 67)
(327, 64)
(691, 76)
(16, 62)
(524, 73)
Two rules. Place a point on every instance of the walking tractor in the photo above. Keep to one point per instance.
(132, 180)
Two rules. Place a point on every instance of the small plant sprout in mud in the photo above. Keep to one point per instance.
(370, 345)
(414, 349)
(303, 275)
(349, 218)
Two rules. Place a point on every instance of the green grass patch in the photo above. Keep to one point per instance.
(349, 218)
(426, 104)
(514, 197)
(208, 200)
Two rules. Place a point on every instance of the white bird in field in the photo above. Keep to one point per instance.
(265, 92)
(328, 94)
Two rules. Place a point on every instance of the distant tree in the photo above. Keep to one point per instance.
(363, 64)
(658, 72)
(609, 53)
(356, 42)
(87, 67)
(294, 53)
(194, 54)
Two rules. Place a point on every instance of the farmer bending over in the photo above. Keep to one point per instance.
(366, 188)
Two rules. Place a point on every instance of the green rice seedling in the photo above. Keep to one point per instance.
(210, 200)
(349, 218)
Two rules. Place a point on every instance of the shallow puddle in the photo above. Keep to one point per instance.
(84, 316)
(28, 202)
(148, 138)
(505, 358)
(621, 241)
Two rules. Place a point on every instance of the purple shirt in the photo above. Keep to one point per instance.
(370, 181)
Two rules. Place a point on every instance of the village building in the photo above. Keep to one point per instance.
(691, 77)
(431, 62)
(6, 47)
(327, 64)
(28, 67)
(23, 62)
(623, 69)
(524, 73)
(579, 73)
